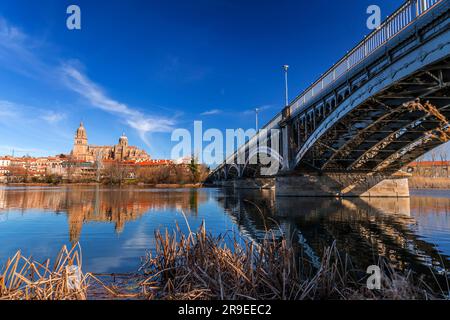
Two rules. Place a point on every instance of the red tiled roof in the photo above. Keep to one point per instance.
(129, 162)
(154, 162)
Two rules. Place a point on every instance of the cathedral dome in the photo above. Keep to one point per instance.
(123, 139)
(81, 131)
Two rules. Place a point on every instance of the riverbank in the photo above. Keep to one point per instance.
(145, 185)
(429, 183)
(199, 266)
(414, 183)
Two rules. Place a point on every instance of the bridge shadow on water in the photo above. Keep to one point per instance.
(365, 229)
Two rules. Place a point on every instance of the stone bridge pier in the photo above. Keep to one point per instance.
(342, 185)
(293, 183)
(257, 183)
(327, 185)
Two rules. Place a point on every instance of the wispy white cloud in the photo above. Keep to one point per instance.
(211, 112)
(17, 52)
(245, 112)
(18, 151)
(8, 110)
(23, 127)
(260, 108)
(53, 117)
(21, 53)
(9, 33)
(141, 122)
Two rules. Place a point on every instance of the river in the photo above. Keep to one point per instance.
(115, 226)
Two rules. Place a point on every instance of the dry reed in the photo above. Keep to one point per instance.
(25, 279)
(417, 182)
(200, 266)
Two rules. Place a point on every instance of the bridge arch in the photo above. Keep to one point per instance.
(233, 172)
(223, 174)
(375, 124)
(253, 166)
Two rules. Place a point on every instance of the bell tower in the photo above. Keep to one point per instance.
(122, 148)
(80, 146)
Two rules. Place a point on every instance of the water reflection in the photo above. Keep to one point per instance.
(364, 228)
(97, 204)
(411, 233)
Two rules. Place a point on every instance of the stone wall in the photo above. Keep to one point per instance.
(342, 185)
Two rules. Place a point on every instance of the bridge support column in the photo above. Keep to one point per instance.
(285, 128)
(257, 183)
(224, 183)
(285, 147)
(228, 184)
(342, 185)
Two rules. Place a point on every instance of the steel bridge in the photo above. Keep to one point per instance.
(384, 104)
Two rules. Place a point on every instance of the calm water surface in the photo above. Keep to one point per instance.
(115, 227)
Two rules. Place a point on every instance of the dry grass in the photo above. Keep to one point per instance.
(429, 183)
(24, 279)
(200, 266)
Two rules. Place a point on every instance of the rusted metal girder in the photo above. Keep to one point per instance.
(356, 141)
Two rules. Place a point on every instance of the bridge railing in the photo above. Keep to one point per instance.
(393, 25)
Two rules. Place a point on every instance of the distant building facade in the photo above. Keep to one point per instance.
(122, 151)
(432, 169)
(5, 162)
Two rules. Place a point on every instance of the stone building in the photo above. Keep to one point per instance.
(82, 151)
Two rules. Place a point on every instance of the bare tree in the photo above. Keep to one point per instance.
(433, 164)
(444, 163)
(115, 173)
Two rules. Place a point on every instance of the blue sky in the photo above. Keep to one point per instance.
(147, 67)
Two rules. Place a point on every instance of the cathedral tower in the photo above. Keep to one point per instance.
(80, 147)
(122, 148)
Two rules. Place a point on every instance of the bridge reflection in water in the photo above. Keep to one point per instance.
(410, 232)
(366, 229)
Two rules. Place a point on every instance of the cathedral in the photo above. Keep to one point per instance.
(82, 151)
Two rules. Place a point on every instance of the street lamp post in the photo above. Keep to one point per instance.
(286, 68)
(257, 124)
(286, 114)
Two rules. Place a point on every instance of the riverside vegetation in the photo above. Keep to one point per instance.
(199, 266)
(118, 173)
